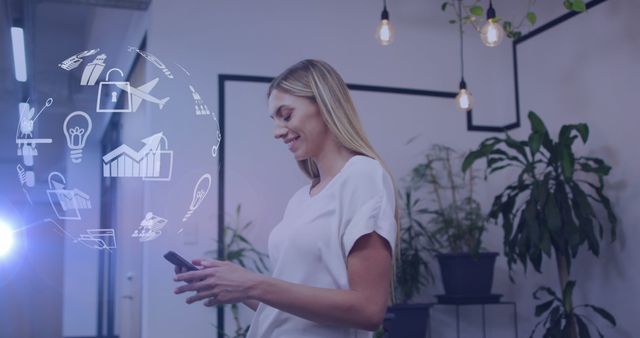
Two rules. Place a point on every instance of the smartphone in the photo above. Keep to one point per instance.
(180, 262)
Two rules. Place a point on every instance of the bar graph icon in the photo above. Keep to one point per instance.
(154, 162)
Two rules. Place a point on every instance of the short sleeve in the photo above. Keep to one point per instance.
(373, 202)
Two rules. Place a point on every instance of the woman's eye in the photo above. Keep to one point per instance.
(288, 118)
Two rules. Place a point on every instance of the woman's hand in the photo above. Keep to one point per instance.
(219, 281)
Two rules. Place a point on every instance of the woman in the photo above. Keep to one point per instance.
(332, 253)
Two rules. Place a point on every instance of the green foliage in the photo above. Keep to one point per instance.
(456, 222)
(472, 13)
(412, 268)
(559, 316)
(549, 208)
(239, 250)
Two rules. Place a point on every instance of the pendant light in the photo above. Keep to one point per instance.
(492, 32)
(385, 32)
(464, 100)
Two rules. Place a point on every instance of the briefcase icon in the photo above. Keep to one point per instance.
(114, 96)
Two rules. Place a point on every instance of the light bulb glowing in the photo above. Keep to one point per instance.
(75, 133)
(6, 238)
(385, 32)
(464, 100)
(199, 193)
(492, 33)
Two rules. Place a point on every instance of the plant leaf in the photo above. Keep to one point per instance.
(476, 10)
(603, 313)
(531, 17)
(544, 307)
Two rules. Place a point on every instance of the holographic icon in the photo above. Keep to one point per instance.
(149, 227)
(150, 163)
(93, 70)
(75, 135)
(26, 177)
(109, 98)
(201, 108)
(142, 93)
(66, 202)
(75, 60)
(153, 59)
(214, 150)
(101, 239)
(24, 137)
(199, 193)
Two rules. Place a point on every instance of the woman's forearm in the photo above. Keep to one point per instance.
(320, 305)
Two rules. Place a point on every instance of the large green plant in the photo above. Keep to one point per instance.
(239, 250)
(549, 208)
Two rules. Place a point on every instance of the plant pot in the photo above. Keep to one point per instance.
(409, 320)
(467, 274)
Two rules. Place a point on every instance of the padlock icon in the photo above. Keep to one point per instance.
(114, 96)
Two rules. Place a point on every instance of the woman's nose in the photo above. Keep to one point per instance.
(279, 131)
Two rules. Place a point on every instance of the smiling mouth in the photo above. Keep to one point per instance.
(292, 142)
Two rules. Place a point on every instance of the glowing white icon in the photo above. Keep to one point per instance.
(77, 136)
(109, 98)
(150, 163)
(142, 93)
(214, 149)
(199, 193)
(149, 227)
(26, 142)
(201, 108)
(93, 70)
(153, 59)
(100, 239)
(75, 60)
(66, 202)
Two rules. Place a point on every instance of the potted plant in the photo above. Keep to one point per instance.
(549, 210)
(239, 250)
(412, 273)
(456, 224)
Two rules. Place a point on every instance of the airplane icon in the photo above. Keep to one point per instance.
(142, 93)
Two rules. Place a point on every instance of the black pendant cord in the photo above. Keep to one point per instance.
(461, 41)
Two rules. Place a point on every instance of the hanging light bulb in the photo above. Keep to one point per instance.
(464, 100)
(492, 32)
(384, 31)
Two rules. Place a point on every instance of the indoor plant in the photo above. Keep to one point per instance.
(412, 273)
(456, 224)
(239, 250)
(547, 209)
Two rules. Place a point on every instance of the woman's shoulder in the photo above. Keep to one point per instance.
(364, 168)
(366, 175)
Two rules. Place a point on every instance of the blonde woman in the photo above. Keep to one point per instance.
(332, 253)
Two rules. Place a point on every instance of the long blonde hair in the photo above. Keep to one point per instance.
(318, 81)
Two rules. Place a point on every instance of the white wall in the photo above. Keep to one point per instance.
(563, 79)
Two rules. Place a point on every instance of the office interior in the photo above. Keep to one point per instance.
(175, 144)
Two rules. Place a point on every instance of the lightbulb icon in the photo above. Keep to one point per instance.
(76, 134)
(199, 193)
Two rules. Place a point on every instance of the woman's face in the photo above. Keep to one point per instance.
(298, 122)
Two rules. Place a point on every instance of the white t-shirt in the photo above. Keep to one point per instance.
(311, 244)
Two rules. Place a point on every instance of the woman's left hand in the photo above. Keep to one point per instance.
(219, 281)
